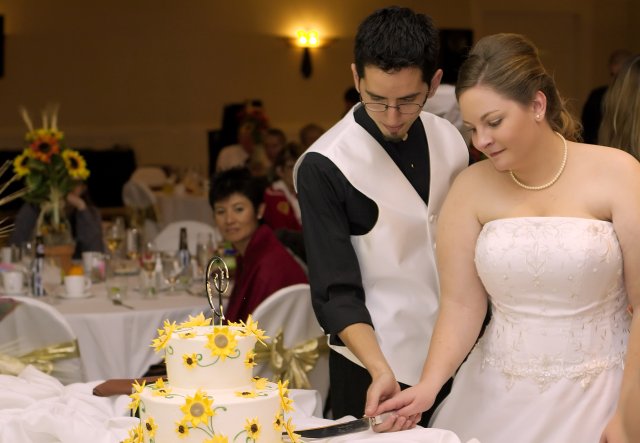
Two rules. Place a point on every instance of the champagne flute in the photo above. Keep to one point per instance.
(148, 259)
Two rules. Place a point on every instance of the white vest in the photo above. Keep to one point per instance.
(397, 257)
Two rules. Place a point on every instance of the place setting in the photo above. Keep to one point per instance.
(75, 287)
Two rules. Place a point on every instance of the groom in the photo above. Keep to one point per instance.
(370, 202)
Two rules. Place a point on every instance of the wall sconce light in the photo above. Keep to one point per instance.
(307, 39)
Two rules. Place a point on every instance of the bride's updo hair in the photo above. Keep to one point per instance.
(510, 65)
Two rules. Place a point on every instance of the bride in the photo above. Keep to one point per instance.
(549, 240)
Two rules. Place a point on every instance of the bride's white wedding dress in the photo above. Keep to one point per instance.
(549, 365)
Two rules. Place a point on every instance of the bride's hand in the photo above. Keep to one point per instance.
(410, 402)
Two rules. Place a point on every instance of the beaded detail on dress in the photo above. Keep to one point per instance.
(557, 297)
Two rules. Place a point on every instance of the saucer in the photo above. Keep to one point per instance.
(77, 297)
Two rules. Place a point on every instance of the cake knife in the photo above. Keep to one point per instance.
(358, 425)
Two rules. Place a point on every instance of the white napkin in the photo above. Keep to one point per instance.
(37, 408)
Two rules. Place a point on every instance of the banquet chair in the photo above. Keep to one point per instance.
(34, 332)
(168, 238)
(288, 320)
(140, 203)
(152, 176)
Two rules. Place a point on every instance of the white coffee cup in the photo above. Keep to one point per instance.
(76, 285)
(6, 254)
(13, 282)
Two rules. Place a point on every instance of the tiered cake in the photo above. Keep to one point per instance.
(210, 395)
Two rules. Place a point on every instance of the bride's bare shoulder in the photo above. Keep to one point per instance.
(479, 172)
(606, 159)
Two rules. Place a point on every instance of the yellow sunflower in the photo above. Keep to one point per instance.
(289, 428)
(188, 334)
(260, 382)
(217, 439)
(136, 434)
(251, 327)
(163, 335)
(190, 360)
(285, 402)
(246, 394)
(160, 389)
(150, 427)
(198, 320)
(135, 396)
(75, 163)
(182, 428)
(253, 428)
(222, 342)
(45, 144)
(197, 409)
(21, 163)
(250, 359)
(278, 422)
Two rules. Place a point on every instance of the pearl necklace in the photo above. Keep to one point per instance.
(555, 177)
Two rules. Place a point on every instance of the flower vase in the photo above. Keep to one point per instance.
(55, 229)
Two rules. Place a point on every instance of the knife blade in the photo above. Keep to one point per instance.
(358, 425)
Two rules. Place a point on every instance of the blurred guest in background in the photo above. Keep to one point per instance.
(83, 217)
(274, 141)
(592, 110)
(620, 126)
(249, 151)
(310, 133)
(282, 210)
(263, 264)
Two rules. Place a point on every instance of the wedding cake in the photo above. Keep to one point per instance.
(210, 395)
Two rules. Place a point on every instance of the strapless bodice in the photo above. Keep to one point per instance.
(557, 297)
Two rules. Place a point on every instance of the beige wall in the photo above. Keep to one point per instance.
(155, 74)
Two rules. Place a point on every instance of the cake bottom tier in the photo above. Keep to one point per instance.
(190, 416)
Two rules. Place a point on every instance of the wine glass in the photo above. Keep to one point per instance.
(171, 270)
(148, 259)
(114, 238)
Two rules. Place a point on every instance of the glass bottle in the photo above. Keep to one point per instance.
(184, 257)
(37, 269)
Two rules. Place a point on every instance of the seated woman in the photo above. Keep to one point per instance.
(282, 210)
(263, 264)
(83, 216)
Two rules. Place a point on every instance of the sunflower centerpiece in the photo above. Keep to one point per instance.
(50, 171)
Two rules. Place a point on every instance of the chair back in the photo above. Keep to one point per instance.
(289, 312)
(140, 203)
(34, 332)
(168, 238)
(152, 176)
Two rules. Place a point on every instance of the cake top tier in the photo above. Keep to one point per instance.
(201, 356)
(197, 326)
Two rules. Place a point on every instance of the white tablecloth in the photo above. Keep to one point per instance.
(36, 408)
(114, 341)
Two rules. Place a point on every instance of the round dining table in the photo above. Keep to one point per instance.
(115, 339)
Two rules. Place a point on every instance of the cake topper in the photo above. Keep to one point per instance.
(220, 283)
